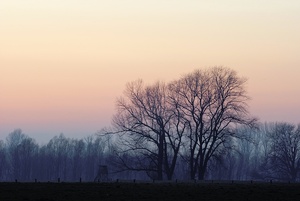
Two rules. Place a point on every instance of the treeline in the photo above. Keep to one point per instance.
(22, 159)
(269, 152)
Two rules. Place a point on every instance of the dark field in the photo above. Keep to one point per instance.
(148, 191)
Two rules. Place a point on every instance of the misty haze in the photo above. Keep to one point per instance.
(149, 100)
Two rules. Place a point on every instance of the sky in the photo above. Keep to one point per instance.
(63, 63)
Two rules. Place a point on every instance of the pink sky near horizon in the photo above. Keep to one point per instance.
(63, 63)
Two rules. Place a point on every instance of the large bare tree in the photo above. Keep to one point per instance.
(150, 132)
(212, 102)
(202, 107)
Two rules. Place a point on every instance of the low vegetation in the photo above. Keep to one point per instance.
(149, 191)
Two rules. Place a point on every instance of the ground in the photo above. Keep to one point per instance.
(149, 191)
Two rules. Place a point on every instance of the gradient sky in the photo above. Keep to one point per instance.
(63, 63)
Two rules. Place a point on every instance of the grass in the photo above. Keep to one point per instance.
(148, 191)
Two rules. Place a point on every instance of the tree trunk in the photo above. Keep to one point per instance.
(160, 159)
(201, 172)
(193, 169)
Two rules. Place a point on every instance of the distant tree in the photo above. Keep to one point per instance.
(213, 102)
(77, 155)
(260, 146)
(58, 149)
(94, 155)
(43, 164)
(3, 160)
(238, 162)
(90, 158)
(283, 159)
(246, 151)
(13, 142)
(27, 150)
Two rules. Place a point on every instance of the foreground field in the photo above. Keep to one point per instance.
(148, 191)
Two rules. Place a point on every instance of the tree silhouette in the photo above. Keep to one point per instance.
(201, 108)
(213, 102)
(150, 133)
(283, 159)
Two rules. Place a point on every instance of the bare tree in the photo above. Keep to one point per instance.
(13, 141)
(94, 155)
(59, 150)
(149, 130)
(283, 161)
(212, 101)
(3, 160)
(21, 151)
(245, 148)
(78, 148)
(27, 152)
(43, 165)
